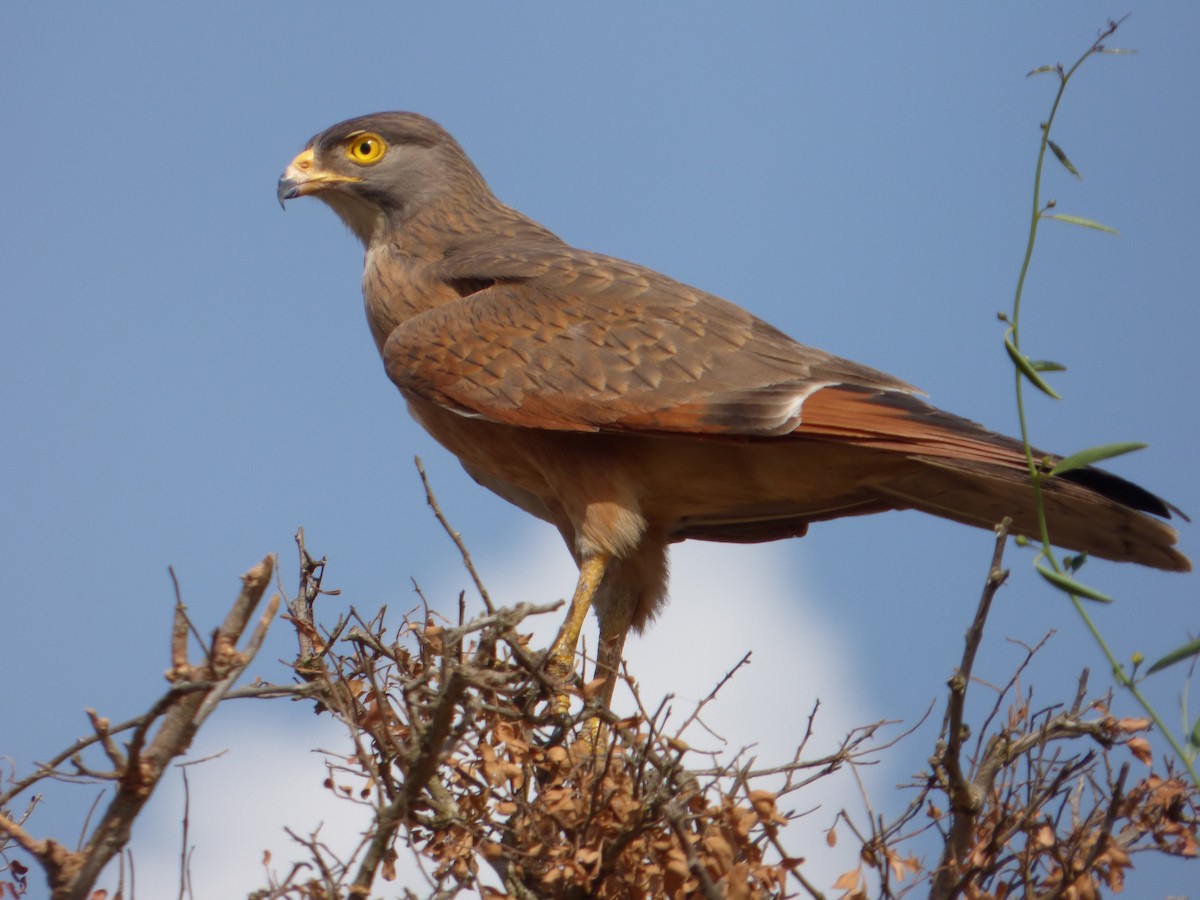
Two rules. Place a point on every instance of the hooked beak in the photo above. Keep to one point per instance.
(303, 177)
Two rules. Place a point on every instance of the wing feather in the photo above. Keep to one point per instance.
(566, 340)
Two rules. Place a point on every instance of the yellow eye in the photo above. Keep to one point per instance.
(366, 148)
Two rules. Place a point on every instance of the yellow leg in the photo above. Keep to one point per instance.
(562, 652)
(614, 624)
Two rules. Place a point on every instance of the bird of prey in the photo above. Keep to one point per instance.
(633, 411)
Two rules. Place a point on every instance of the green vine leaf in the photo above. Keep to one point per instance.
(1071, 586)
(1179, 654)
(1094, 455)
(1062, 158)
(1079, 220)
(1022, 362)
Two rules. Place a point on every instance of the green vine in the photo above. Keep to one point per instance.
(1061, 573)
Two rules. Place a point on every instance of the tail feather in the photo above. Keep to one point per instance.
(962, 471)
(1094, 512)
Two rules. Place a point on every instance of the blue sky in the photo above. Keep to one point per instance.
(188, 376)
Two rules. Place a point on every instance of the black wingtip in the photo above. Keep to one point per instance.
(1117, 488)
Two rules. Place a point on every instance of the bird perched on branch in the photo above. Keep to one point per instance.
(633, 411)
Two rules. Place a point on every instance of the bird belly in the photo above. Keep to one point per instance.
(606, 489)
(581, 482)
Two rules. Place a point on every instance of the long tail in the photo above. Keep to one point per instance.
(964, 472)
(1078, 515)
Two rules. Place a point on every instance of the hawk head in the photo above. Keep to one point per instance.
(379, 170)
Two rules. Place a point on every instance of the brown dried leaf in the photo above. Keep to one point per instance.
(764, 805)
(677, 863)
(559, 800)
(744, 821)
(720, 851)
(848, 881)
(1140, 748)
(901, 866)
(506, 734)
(737, 883)
(1084, 887)
(389, 865)
(593, 687)
(1130, 724)
(625, 807)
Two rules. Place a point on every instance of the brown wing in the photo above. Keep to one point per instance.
(565, 340)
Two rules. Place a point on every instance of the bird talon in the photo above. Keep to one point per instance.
(561, 668)
(594, 734)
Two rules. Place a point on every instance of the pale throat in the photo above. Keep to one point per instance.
(362, 217)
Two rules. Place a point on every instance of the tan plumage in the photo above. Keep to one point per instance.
(633, 411)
